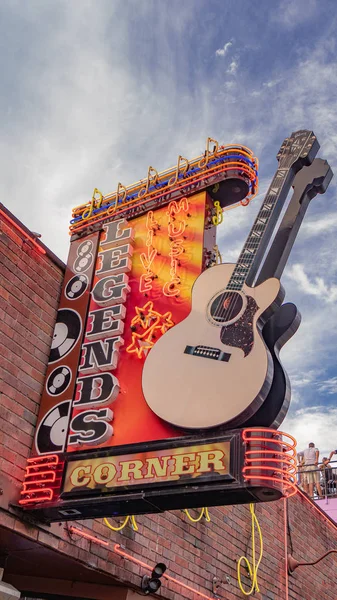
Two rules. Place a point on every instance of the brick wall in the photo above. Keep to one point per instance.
(29, 295)
(193, 552)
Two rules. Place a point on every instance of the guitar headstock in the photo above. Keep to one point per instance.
(298, 150)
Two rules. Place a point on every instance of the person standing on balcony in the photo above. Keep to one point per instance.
(300, 470)
(328, 475)
(332, 453)
(311, 474)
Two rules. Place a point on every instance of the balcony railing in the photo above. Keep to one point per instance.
(325, 475)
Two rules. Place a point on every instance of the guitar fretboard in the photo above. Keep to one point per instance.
(277, 188)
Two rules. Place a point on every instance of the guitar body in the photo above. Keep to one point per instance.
(214, 367)
(276, 332)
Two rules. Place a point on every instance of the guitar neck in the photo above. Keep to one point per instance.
(258, 239)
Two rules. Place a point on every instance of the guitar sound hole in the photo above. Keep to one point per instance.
(226, 307)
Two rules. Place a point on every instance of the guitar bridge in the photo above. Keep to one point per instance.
(207, 352)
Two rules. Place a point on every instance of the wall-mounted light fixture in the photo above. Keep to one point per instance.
(293, 563)
(151, 583)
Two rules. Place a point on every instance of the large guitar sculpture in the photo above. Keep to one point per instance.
(214, 368)
(309, 182)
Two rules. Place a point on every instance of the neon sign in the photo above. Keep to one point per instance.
(148, 467)
(217, 163)
(147, 259)
(97, 386)
(175, 232)
(153, 324)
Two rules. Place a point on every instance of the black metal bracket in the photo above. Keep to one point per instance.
(309, 182)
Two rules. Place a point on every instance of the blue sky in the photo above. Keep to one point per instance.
(95, 92)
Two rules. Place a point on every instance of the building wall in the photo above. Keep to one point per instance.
(29, 296)
(194, 553)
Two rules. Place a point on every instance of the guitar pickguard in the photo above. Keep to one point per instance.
(240, 334)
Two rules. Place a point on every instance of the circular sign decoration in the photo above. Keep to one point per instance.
(58, 381)
(66, 333)
(52, 432)
(76, 286)
(84, 257)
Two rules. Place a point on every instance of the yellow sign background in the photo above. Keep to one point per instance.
(159, 466)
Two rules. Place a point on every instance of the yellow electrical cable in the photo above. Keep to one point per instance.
(125, 522)
(218, 217)
(204, 513)
(252, 569)
(218, 256)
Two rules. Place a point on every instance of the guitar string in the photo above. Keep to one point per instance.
(250, 243)
(226, 312)
(252, 248)
(220, 312)
(221, 309)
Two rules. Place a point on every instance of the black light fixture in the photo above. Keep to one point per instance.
(151, 583)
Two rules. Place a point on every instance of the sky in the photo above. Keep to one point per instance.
(93, 92)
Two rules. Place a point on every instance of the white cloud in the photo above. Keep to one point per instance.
(223, 51)
(290, 13)
(233, 67)
(317, 424)
(319, 225)
(316, 287)
(271, 83)
(328, 386)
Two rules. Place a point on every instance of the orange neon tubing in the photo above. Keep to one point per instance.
(265, 430)
(286, 483)
(27, 236)
(290, 463)
(218, 168)
(51, 474)
(273, 452)
(283, 457)
(285, 472)
(288, 472)
(270, 441)
(92, 538)
(246, 168)
(285, 530)
(31, 471)
(251, 175)
(183, 184)
(168, 577)
(194, 161)
(40, 459)
(48, 495)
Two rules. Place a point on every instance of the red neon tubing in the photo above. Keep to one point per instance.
(92, 538)
(284, 472)
(275, 480)
(270, 441)
(272, 460)
(28, 237)
(258, 450)
(265, 430)
(51, 474)
(46, 496)
(285, 531)
(40, 459)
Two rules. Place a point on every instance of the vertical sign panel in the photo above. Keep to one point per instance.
(144, 274)
(59, 387)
